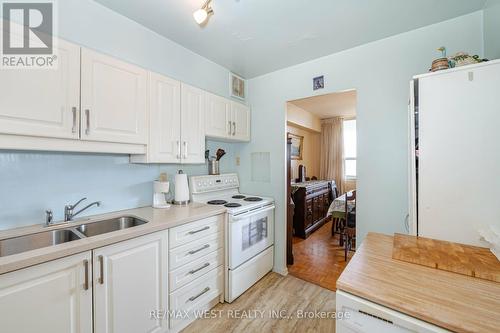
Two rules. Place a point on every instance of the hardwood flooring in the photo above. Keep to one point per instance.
(273, 293)
(319, 259)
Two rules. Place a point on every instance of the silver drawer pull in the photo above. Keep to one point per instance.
(200, 268)
(206, 290)
(197, 231)
(206, 246)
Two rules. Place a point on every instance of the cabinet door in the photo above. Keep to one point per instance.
(218, 117)
(164, 119)
(130, 281)
(240, 115)
(192, 124)
(43, 102)
(51, 297)
(113, 97)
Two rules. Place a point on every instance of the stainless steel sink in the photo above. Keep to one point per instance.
(36, 241)
(102, 227)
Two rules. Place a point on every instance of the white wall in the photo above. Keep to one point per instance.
(492, 29)
(380, 71)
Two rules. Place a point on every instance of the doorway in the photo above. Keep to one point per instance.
(321, 171)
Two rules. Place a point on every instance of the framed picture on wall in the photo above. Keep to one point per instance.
(297, 145)
(237, 86)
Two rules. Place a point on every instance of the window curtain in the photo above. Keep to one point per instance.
(332, 152)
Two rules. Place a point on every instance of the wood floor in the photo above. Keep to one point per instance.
(273, 293)
(319, 259)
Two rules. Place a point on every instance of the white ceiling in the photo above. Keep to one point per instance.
(339, 104)
(254, 37)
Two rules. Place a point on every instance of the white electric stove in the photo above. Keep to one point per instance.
(249, 230)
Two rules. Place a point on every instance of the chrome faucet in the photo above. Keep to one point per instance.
(68, 209)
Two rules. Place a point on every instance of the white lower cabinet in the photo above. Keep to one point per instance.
(113, 289)
(196, 273)
(53, 297)
(126, 287)
(130, 281)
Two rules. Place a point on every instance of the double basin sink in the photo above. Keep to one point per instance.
(39, 240)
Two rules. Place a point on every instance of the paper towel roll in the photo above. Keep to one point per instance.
(181, 188)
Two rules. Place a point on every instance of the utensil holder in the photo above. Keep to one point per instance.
(213, 167)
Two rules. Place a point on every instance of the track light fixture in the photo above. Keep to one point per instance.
(201, 15)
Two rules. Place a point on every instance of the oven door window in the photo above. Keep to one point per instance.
(254, 232)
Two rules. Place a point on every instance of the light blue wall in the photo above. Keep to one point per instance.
(31, 182)
(492, 29)
(380, 71)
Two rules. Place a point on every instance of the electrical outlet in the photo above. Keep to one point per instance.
(238, 161)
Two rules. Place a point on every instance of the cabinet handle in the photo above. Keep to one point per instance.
(192, 232)
(206, 246)
(101, 268)
(234, 128)
(185, 149)
(87, 114)
(200, 268)
(86, 278)
(178, 149)
(192, 298)
(229, 132)
(73, 129)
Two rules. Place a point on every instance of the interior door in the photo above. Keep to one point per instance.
(113, 98)
(218, 120)
(164, 119)
(43, 102)
(192, 124)
(130, 281)
(240, 122)
(51, 297)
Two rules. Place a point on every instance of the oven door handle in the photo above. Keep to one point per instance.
(252, 212)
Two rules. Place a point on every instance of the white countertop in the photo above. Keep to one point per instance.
(158, 219)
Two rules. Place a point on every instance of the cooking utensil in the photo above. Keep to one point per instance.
(220, 152)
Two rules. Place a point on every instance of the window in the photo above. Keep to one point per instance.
(350, 148)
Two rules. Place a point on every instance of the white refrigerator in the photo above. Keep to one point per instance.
(454, 160)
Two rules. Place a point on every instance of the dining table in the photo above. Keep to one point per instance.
(337, 207)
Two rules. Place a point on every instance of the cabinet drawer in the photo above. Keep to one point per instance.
(197, 294)
(187, 253)
(190, 232)
(187, 273)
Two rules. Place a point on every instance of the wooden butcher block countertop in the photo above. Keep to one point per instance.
(452, 301)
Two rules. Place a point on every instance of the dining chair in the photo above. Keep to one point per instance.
(349, 228)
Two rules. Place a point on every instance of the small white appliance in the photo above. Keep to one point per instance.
(249, 230)
(160, 190)
(362, 316)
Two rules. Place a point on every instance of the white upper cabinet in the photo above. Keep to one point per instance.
(113, 99)
(218, 116)
(240, 121)
(192, 124)
(227, 120)
(53, 297)
(43, 102)
(164, 120)
(130, 281)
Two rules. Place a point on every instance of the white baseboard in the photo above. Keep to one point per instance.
(281, 270)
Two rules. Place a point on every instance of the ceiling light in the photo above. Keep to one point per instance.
(201, 15)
